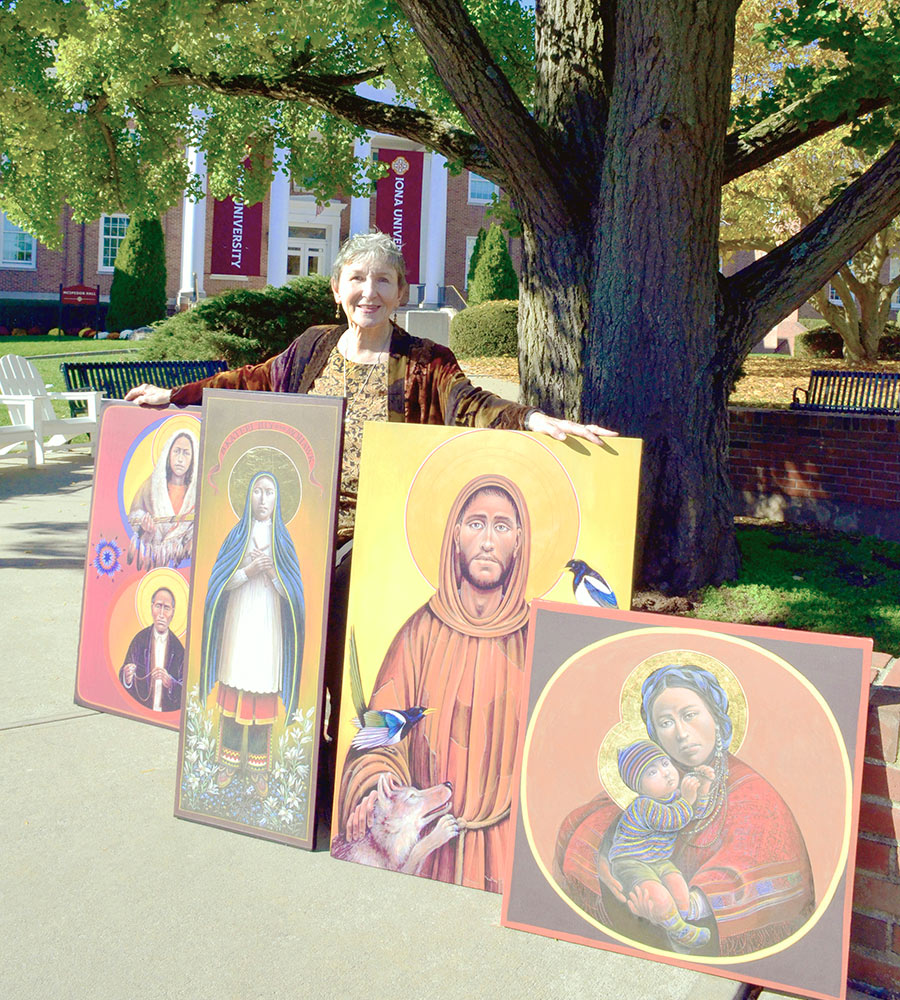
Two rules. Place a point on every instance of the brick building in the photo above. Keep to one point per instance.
(213, 245)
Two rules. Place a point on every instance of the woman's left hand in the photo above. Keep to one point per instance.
(543, 423)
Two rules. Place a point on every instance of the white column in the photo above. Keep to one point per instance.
(279, 210)
(193, 233)
(435, 236)
(359, 207)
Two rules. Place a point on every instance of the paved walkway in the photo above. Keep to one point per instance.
(106, 895)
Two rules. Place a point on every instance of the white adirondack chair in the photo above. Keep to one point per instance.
(31, 411)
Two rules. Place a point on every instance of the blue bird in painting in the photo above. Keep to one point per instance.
(384, 728)
(589, 586)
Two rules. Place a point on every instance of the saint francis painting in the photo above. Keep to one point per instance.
(137, 570)
(264, 548)
(468, 527)
(691, 792)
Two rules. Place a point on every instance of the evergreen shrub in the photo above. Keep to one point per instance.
(486, 330)
(138, 292)
(823, 342)
(476, 253)
(243, 326)
(495, 277)
(826, 342)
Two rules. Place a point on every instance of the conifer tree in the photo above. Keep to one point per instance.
(138, 293)
(476, 253)
(495, 277)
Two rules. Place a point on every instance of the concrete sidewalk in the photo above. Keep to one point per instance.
(106, 895)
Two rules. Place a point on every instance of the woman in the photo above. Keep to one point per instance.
(743, 858)
(253, 634)
(162, 512)
(383, 372)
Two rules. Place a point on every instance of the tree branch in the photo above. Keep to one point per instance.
(771, 288)
(324, 93)
(489, 104)
(96, 112)
(783, 131)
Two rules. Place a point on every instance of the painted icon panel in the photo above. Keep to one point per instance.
(137, 569)
(690, 793)
(457, 531)
(262, 568)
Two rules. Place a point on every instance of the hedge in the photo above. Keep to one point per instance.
(826, 342)
(486, 330)
(243, 327)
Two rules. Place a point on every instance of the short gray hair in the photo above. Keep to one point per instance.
(375, 246)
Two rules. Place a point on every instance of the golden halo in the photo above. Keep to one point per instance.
(172, 428)
(175, 582)
(549, 494)
(631, 727)
(265, 459)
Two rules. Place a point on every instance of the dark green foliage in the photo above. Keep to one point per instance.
(486, 330)
(138, 293)
(495, 277)
(825, 342)
(889, 345)
(244, 327)
(476, 253)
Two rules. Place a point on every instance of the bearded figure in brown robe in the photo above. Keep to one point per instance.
(461, 655)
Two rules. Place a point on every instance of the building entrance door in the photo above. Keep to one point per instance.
(306, 250)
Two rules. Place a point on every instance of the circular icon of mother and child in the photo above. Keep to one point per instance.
(688, 848)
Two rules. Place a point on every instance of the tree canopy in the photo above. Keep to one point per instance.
(612, 126)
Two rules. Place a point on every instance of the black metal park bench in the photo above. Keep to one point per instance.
(115, 378)
(850, 392)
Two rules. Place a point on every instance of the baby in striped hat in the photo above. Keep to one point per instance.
(641, 851)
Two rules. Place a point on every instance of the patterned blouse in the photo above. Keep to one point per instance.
(365, 388)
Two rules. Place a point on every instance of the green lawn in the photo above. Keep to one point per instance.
(73, 348)
(812, 580)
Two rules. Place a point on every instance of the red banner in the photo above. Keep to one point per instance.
(398, 204)
(236, 238)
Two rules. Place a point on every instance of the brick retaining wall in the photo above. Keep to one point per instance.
(843, 472)
(875, 931)
(820, 470)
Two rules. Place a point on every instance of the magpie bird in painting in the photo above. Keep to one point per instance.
(385, 728)
(589, 586)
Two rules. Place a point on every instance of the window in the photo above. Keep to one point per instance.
(481, 190)
(18, 247)
(306, 250)
(833, 296)
(112, 232)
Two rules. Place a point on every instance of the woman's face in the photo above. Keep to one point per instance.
(262, 498)
(369, 291)
(685, 727)
(180, 457)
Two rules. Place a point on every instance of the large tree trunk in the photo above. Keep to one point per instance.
(654, 362)
(617, 177)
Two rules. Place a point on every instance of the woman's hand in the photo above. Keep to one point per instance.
(543, 423)
(146, 394)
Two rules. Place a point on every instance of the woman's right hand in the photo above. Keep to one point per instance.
(146, 394)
